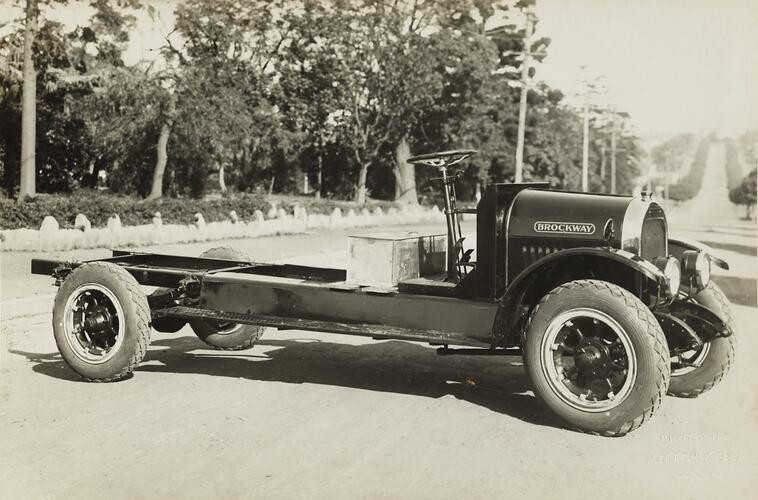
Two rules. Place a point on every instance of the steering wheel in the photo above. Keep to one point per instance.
(442, 158)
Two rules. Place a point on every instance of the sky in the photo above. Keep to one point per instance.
(673, 65)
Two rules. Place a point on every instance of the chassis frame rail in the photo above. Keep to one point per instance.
(360, 329)
(287, 296)
(168, 271)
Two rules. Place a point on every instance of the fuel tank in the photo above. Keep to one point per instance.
(541, 222)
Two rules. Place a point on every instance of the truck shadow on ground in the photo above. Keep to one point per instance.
(497, 383)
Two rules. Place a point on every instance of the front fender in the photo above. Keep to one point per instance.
(614, 255)
(620, 267)
(678, 244)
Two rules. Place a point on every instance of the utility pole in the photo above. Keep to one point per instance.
(613, 155)
(591, 90)
(586, 144)
(524, 91)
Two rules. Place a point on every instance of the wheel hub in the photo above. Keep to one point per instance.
(593, 359)
(97, 321)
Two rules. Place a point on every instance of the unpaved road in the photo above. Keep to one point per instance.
(307, 415)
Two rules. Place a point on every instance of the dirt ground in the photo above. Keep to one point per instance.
(308, 415)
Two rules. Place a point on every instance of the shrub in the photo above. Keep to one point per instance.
(733, 166)
(745, 193)
(99, 206)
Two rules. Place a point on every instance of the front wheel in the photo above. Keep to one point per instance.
(697, 371)
(597, 357)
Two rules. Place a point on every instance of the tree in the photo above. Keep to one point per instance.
(749, 145)
(105, 13)
(62, 67)
(124, 116)
(306, 95)
(225, 76)
(27, 186)
(253, 90)
(381, 78)
(478, 47)
(745, 193)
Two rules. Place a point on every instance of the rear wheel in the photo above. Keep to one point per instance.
(167, 324)
(698, 371)
(101, 322)
(227, 336)
(597, 357)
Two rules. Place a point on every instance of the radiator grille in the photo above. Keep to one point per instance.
(533, 253)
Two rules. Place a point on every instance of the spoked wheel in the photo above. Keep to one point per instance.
(227, 336)
(167, 324)
(101, 322)
(689, 361)
(697, 371)
(589, 360)
(597, 357)
(94, 324)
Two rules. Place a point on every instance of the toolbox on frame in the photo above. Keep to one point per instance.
(384, 259)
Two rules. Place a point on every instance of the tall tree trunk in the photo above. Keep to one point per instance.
(221, 181)
(297, 175)
(156, 191)
(360, 195)
(405, 174)
(27, 186)
(318, 188)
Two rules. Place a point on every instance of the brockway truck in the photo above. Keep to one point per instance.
(609, 312)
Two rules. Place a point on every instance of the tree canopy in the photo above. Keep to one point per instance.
(262, 95)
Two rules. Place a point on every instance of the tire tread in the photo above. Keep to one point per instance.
(726, 364)
(654, 332)
(142, 319)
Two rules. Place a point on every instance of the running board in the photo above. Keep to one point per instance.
(379, 332)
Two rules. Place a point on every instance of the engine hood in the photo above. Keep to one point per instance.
(567, 219)
(541, 222)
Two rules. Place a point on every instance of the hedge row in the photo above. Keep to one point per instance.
(99, 206)
(689, 185)
(733, 166)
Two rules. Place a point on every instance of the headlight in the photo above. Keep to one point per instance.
(670, 268)
(696, 269)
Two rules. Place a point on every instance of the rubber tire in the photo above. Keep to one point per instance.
(243, 337)
(167, 324)
(137, 317)
(645, 334)
(720, 357)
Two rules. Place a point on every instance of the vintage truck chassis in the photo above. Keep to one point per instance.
(607, 309)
